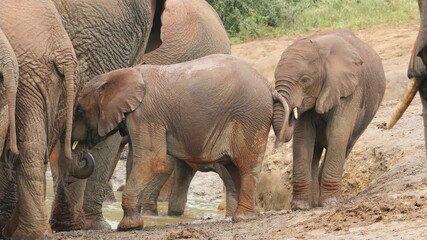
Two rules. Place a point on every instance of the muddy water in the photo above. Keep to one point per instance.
(112, 211)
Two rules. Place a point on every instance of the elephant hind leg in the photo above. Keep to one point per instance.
(248, 160)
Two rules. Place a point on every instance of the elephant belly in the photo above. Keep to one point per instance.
(214, 146)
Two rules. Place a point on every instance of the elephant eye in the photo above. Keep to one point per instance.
(79, 111)
(305, 80)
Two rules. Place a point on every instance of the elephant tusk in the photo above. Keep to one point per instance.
(295, 111)
(411, 89)
(74, 145)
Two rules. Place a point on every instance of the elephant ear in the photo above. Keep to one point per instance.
(122, 92)
(343, 65)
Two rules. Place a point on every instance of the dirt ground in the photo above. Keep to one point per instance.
(384, 185)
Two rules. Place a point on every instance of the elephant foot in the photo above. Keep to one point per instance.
(96, 223)
(301, 205)
(132, 220)
(150, 212)
(329, 202)
(239, 216)
(175, 213)
(41, 232)
(66, 224)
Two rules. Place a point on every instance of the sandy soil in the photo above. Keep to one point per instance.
(384, 185)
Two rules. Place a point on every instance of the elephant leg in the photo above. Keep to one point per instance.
(67, 208)
(423, 95)
(303, 155)
(248, 160)
(223, 204)
(337, 137)
(152, 191)
(230, 190)
(315, 176)
(149, 162)
(8, 193)
(106, 155)
(183, 174)
(30, 213)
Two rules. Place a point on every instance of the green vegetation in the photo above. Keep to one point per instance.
(250, 19)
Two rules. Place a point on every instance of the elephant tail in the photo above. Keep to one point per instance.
(10, 80)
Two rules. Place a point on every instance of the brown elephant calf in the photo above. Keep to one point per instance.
(331, 85)
(216, 109)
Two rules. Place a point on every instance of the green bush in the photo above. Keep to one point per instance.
(250, 19)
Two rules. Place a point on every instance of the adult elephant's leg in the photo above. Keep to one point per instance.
(303, 147)
(183, 174)
(105, 154)
(30, 174)
(8, 192)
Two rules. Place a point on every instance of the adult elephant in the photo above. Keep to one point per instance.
(188, 30)
(331, 86)
(106, 35)
(416, 72)
(48, 80)
(171, 112)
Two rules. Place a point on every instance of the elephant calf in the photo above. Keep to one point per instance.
(216, 109)
(331, 85)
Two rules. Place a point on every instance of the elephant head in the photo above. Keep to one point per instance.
(313, 73)
(103, 104)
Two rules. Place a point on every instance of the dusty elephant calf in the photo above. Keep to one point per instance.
(216, 109)
(331, 86)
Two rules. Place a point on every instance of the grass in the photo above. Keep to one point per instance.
(333, 14)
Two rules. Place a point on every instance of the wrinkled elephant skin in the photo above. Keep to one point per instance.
(234, 134)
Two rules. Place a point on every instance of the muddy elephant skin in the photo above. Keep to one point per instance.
(215, 109)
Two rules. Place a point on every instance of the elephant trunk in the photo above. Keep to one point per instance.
(70, 73)
(411, 89)
(281, 115)
(10, 76)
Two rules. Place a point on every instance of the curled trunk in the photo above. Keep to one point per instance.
(281, 112)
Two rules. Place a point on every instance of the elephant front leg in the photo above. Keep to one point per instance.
(148, 150)
(337, 137)
(30, 217)
(303, 147)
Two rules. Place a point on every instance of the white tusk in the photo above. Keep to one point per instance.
(295, 113)
(74, 145)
